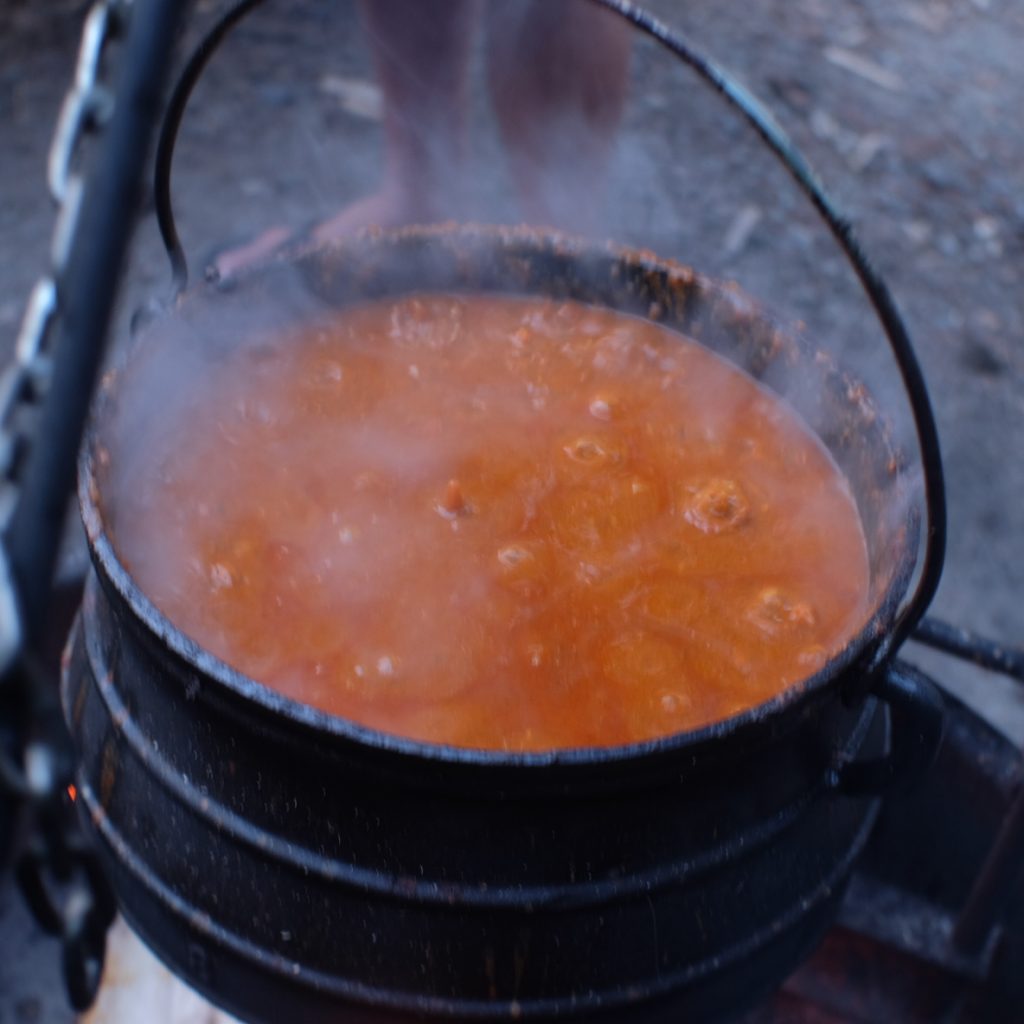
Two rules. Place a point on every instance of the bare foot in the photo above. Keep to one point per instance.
(384, 209)
(228, 263)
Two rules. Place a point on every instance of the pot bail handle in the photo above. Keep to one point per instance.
(757, 115)
(918, 724)
(169, 127)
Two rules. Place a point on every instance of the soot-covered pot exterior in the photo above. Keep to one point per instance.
(288, 863)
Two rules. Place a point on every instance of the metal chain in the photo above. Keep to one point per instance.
(86, 108)
(58, 874)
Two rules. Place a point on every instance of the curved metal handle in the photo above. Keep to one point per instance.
(918, 716)
(758, 116)
(183, 87)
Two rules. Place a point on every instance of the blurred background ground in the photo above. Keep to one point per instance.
(909, 111)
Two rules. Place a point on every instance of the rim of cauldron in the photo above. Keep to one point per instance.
(861, 651)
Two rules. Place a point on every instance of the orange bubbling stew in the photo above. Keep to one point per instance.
(503, 523)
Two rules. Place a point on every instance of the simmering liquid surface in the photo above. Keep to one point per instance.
(501, 523)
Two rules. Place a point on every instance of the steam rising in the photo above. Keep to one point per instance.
(560, 151)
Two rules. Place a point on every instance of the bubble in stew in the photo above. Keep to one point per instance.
(501, 523)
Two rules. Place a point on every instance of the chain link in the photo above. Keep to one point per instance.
(58, 874)
(23, 386)
(88, 104)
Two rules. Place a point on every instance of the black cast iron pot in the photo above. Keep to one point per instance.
(293, 865)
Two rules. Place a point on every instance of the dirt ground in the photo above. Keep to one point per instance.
(909, 111)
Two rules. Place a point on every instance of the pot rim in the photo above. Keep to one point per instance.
(866, 647)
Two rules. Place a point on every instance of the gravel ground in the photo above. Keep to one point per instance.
(909, 111)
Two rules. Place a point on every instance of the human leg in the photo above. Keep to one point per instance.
(558, 74)
(421, 56)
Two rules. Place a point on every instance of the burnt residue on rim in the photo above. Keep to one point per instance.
(289, 862)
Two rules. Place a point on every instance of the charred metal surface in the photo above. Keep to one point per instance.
(905, 921)
(674, 902)
(933, 845)
(893, 954)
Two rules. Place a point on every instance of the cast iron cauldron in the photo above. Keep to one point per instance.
(291, 865)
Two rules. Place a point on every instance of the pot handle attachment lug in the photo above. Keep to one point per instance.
(918, 723)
